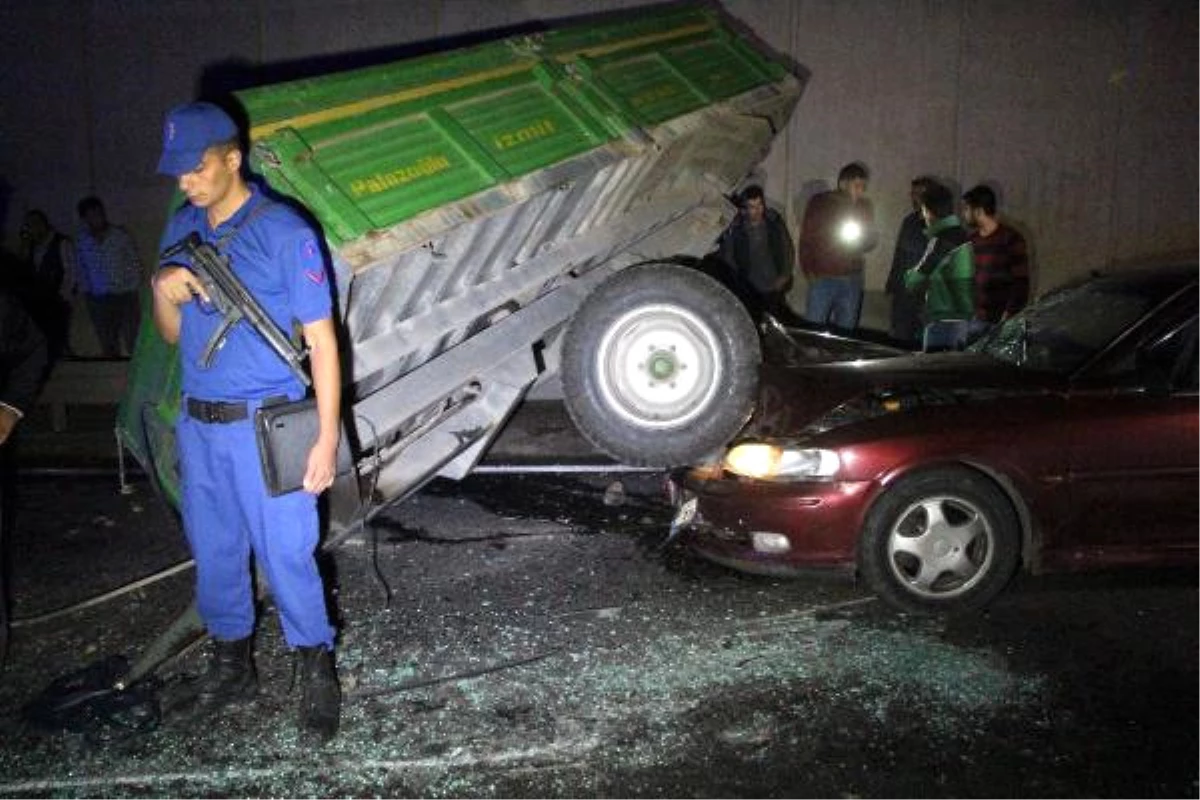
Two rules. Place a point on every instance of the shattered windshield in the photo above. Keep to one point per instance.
(1065, 328)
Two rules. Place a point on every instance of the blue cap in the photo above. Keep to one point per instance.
(191, 129)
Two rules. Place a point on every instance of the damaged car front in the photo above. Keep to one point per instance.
(796, 491)
(934, 476)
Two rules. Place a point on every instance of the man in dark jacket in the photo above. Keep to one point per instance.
(910, 246)
(50, 258)
(758, 246)
(22, 364)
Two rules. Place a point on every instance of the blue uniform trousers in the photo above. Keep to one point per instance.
(227, 514)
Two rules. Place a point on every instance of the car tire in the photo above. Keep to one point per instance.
(660, 366)
(944, 541)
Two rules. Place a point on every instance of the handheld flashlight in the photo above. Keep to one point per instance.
(850, 231)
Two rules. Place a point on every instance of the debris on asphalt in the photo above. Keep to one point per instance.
(583, 659)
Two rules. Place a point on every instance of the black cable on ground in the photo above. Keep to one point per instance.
(408, 686)
(101, 598)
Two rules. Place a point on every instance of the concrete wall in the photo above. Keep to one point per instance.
(1083, 113)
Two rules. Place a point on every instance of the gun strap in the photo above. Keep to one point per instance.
(224, 239)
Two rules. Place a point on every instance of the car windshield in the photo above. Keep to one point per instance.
(1065, 328)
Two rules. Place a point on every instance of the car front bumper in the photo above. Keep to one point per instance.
(770, 528)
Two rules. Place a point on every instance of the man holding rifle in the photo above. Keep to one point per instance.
(227, 511)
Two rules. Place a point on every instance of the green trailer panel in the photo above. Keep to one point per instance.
(524, 129)
(402, 169)
(368, 149)
(650, 86)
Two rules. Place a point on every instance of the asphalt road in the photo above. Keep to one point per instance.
(539, 641)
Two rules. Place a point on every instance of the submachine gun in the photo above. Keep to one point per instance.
(234, 303)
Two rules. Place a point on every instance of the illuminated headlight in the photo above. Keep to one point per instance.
(772, 462)
(850, 232)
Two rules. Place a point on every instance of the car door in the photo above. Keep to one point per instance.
(1134, 453)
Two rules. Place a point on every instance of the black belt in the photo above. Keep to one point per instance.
(215, 411)
(218, 411)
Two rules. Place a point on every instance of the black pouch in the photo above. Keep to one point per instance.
(285, 434)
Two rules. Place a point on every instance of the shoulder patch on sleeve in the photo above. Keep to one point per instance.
(310, 259)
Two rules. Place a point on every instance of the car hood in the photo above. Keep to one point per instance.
(793, 400)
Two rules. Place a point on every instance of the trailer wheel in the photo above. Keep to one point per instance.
(660, 366)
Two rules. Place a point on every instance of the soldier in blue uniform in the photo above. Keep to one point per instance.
(227, 512)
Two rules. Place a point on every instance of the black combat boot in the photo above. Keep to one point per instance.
(320, 694)
(230, 677)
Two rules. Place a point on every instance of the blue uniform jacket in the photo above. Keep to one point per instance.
(278, 257)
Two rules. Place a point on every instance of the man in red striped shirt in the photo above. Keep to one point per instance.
(1001, 260)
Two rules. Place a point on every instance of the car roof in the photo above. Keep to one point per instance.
(1165, 279)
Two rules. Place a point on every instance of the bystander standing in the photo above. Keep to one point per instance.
(905, 322)
(1001, 261)
(944, 277)
(50, 257)
(758, 246)
(110, 273)
(22, 365)
(837, 231)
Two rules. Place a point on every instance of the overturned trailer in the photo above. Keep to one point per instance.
(508, 212)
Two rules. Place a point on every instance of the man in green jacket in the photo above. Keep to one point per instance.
(945, 275)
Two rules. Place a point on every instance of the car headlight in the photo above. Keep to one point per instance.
(774, 462)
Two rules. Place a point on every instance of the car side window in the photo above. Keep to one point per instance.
(1173, 357)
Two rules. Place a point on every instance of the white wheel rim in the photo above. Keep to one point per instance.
(658, 366)
(941, 547)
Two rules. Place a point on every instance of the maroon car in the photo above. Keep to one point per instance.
(1066, 438)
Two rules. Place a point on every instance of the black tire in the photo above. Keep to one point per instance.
(944, 541)
(660, 366)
